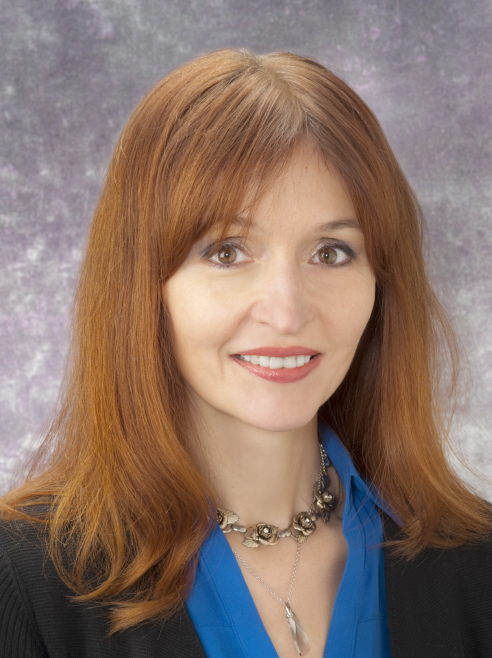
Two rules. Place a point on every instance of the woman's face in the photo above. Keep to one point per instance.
(298, 284)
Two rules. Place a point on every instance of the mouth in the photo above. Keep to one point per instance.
(276, 362)
(287, 369)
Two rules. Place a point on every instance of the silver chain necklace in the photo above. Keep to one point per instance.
(299, 636)
(267, 534)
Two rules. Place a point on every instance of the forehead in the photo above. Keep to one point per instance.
(337, 224)
(306, 194)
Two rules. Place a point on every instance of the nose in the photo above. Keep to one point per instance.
(284, 298)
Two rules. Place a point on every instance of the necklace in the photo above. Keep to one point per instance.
(303, 524)
(299, 636)
(267, 534)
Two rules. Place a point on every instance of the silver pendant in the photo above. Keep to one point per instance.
(298, 634)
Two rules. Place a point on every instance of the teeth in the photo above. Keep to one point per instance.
(275, 362)
(291, 361)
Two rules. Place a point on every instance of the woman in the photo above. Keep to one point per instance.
(251, 406)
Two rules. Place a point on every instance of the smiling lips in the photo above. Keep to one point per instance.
(279, 364)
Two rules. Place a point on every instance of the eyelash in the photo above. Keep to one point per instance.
(213, 250)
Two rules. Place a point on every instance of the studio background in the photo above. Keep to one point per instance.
(72, 71)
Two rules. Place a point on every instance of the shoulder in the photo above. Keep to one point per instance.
(440, 603)
(20, 549)
(39, 618)
(24, 554)
(21, 540)
(471, 562)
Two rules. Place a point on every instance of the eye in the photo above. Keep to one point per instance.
(330, 254)
(227, 254)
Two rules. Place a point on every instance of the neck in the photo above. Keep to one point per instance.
(259, 474)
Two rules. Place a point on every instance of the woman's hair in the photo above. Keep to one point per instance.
(127, 507)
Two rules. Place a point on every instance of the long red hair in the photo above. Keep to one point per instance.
(126, 500)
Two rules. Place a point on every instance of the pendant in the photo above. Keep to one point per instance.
(298, 634)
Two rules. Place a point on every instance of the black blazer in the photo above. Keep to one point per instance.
(439, 606)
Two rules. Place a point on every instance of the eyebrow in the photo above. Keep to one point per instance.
(334, 225)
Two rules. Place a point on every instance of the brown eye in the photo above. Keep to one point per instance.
(227, 255)
(328, 255)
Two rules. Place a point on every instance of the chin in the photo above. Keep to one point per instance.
(278, 421)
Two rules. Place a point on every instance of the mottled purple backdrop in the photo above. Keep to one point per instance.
(73, 70)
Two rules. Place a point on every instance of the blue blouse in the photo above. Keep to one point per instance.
(225, 616)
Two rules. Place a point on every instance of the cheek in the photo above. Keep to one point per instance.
(201, 319)
(352, 313)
